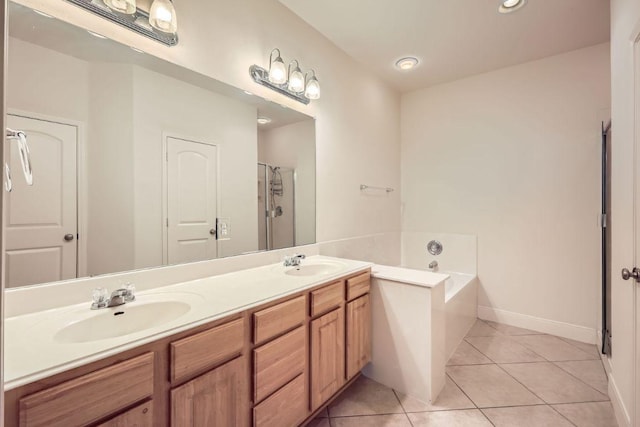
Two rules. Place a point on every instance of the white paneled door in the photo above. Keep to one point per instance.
(192, 183)
(41, 221)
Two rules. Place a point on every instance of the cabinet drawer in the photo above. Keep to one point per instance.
(278, 319)
(359, 285)
(90, 397)
(327, 298)
(140, 416)
(278, 362)
(285, 408)
(204, 350)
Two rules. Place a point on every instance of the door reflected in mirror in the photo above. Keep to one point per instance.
(141, 162)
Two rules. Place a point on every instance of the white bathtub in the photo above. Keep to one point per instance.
(419, 318)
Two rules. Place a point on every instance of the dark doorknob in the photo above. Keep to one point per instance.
(68, 237)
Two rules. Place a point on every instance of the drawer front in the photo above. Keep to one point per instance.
(285, 408)
(327, 298)
(90, 397)
(359, 285)
(278, 362)
(278, 319)
(198, 352)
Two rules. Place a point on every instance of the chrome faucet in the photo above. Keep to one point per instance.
(433, 265)
(118, 297)
(294, 261)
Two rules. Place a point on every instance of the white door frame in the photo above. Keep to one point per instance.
(81, 181)
(165, 186)
(635, 49)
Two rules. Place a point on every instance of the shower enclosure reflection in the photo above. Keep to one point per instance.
(276, 207)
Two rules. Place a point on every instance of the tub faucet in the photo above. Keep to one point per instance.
(433, 265)
(294, 261)
(118, 297)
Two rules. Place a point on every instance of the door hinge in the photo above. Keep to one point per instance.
(603, 220)
(167, 222)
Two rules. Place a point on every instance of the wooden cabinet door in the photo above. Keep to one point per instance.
(358, 335)
(327, 356)
(140, 416)
(215, 399)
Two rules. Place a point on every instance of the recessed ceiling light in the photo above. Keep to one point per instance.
(42, 14)
(407, 63)
(100, 36)
(508, 6)
(264, 120)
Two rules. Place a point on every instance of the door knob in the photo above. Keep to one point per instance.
(68, 237)
(212, 231)
(635, 273)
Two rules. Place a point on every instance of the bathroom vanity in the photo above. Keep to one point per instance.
(277, 362)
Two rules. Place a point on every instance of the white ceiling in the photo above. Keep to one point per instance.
(453, 38)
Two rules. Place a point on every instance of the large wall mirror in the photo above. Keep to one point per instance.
(140, 163)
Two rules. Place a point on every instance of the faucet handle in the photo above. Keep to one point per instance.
(130, 294)
(100, 298)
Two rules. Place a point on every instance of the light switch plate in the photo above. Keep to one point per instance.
(223, 227)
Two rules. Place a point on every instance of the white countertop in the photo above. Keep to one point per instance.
(31, 352)
(408, 275)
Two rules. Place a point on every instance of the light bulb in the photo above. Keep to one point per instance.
(313, 88)
(162, 16)
(278, 71)
(508, 6)
(127, 7)
(407, 63)
(296, 78)
(510, 3)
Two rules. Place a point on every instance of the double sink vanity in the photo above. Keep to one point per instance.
(268, 346)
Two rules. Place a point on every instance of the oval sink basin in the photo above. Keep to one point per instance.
(316, 269)
(122, 320)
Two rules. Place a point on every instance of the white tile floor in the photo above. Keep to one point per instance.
(499, 376)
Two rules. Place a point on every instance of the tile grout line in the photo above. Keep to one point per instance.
(519, 382)
(579, 379)
(462, 390)
(563, 416)
(487, 418)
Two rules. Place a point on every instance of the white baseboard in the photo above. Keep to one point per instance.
(622, 415)
(561, 329)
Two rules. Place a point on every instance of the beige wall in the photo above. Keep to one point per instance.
(357, 117)
(625, 18)
(512, 156)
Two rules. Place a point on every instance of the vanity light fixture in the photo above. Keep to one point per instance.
(508, 6)
(127, 7)
(162, 16)
(312, 86)
(159, 22)
(296, 78)
(406, 64)
(291, 81)
(277, 69)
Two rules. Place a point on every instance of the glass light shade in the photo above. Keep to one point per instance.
(162, 16)
(313, 88)
(127, 7)
(296, 81)
(278, 71)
